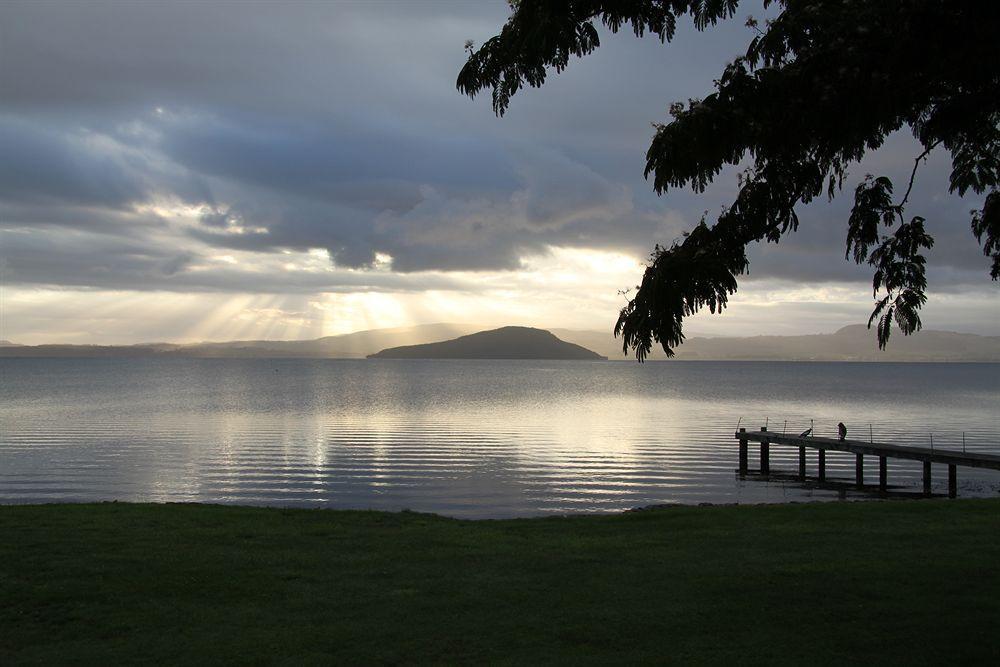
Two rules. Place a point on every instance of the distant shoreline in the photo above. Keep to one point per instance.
(853, 343)
(181, 357)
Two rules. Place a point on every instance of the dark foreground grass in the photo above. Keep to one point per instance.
(895, 582)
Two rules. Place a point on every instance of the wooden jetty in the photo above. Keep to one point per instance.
(860, 449)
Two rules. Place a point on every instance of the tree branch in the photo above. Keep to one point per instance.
(913, 174)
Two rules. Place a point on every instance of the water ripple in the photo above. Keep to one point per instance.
(476, 439)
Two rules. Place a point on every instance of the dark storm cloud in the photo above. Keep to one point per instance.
(294, 126)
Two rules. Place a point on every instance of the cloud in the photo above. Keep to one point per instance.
(557, 191)
(322, 147)
(96, 261)
(43, 165)
(50, 165)
(816, 252)
(427, 213)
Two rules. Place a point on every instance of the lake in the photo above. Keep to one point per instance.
(468, 438)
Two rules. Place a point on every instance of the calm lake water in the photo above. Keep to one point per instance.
(466, 438)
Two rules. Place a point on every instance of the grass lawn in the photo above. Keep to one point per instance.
(912, 581)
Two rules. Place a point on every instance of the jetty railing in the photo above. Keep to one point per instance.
(860, 449)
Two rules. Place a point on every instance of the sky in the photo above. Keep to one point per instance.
(218, 170)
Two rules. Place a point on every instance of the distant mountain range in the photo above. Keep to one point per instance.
(851, 343)
(503, 343)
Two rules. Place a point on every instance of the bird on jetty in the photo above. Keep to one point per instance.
(842, 430)
(806, 433)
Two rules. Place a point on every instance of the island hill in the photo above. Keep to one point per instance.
(503, 343)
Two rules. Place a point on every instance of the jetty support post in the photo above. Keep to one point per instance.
(927, 457)
(765, 454)
(743, 452)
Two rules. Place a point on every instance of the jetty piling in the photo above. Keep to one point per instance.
(743, 452)
(765, 453)
(860, 449)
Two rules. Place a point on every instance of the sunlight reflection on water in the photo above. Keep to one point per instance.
(464, 438)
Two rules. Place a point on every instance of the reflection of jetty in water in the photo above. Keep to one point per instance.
(860, 449)
(843, 487)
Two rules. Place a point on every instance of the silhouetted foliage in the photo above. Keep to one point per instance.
(819, 86)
